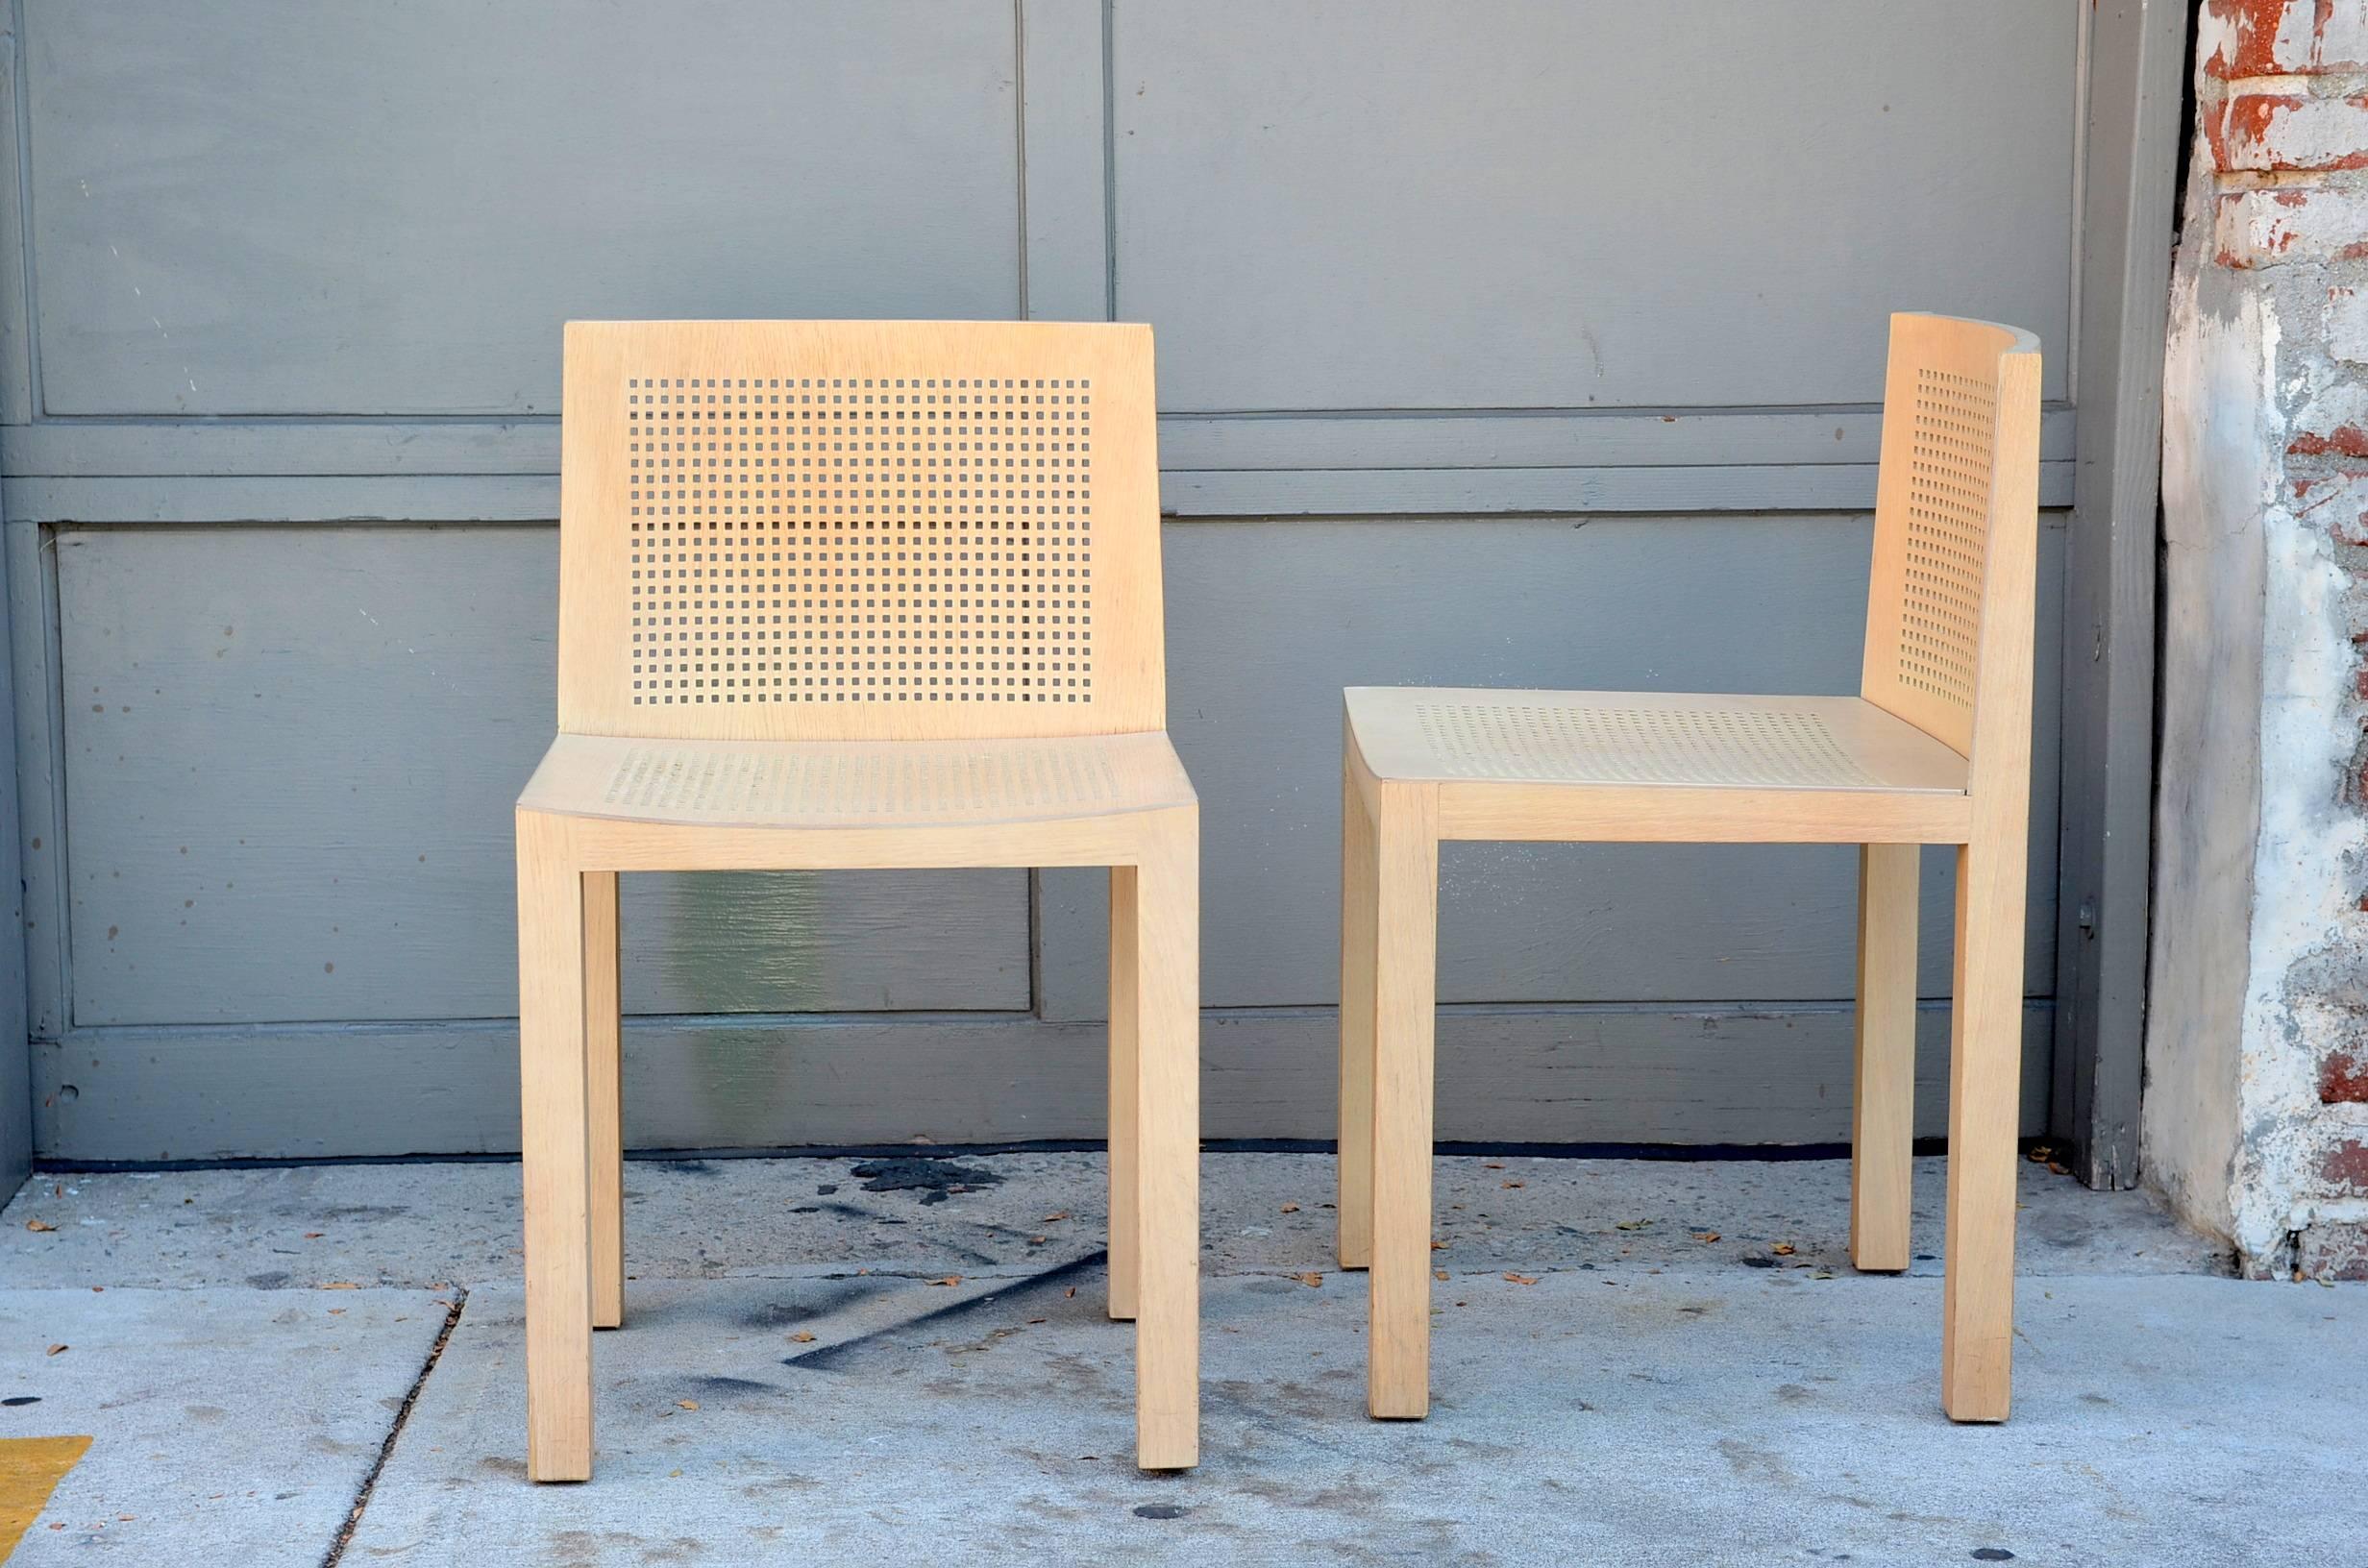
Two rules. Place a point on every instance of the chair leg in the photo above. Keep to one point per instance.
(1405, 990)
(1977, 1342)
(1125, 1036)
(1166, 965)
(555, 1127)
(1356, 1120)
(603, 1069)
(1883, 1105)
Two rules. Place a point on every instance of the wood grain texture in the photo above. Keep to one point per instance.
(1031, 737)
(1359, 932)
(1167, 1133)
(604, 1097)
(1883, 1090)
(301, 252)
(1125, 1092)
(1978, 1331)
(556, 1116)
(1946, 722)
(1396, 172)
(1405, 996)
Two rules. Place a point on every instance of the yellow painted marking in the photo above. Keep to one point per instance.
(30, 1470)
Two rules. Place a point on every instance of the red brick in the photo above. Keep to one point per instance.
(2262, 131)
(2283, 38)
(2346, 1166)
(2343, 1079)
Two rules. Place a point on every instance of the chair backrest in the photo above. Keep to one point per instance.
(1949, 609)
(858, 531)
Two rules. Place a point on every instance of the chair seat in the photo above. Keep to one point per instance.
(1827, 766)
(842, 784)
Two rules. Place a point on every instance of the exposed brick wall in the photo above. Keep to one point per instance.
(2266, 451)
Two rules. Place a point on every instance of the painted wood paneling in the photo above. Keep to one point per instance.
(291, 756)
(274, 207)
(1268, 621)
(1704, 1075)
(1581, 203)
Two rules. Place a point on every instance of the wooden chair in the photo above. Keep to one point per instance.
(1935, 749)
(852, 594)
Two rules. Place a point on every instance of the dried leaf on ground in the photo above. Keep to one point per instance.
(1051, 1218)
(1516, 1184)
(1633, 1224)
(687, 1404)
(55, 1350)
(1290, 1209)
(1782, 1249)
(1706, 1235)
(1311, 1281)
(950, 1279)
(1438, 1274)
(1520, 1279)
(341, 1285)
(803, 1336)
(39, 1225)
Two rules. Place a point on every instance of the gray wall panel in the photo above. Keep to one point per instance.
(1552, 204)
(1267, 620)
(291, 756)
(271, 206)
(1516, 343)
(1765, 1075)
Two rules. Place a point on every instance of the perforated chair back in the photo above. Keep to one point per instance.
(1949, 609)
(859, 530)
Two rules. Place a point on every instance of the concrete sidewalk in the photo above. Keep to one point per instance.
(1656, 1395)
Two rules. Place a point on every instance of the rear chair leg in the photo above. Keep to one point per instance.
(1167, 1097)
(1356, 1120)
(1124, 1086)
(1406, 969)
(1883, 1106)
(604, 1074)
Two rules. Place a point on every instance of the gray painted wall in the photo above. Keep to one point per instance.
(1496, 348)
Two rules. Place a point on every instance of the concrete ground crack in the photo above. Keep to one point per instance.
(403, 1415)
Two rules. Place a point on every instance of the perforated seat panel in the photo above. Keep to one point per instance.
(1649, 738)
(855, 783)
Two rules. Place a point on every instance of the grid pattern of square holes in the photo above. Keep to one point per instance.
(789, 783)
(859, 539)
(1579, 743)
(1948, 523)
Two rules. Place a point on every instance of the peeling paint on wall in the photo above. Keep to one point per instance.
(2260, 945)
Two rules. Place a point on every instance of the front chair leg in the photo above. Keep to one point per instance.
(1883, 1102)
(1167, 1098)
(1985, 1072)
(555, 1117)
(1405, 990)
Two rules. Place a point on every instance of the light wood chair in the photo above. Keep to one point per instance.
(847, 594)
(1935, 749)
